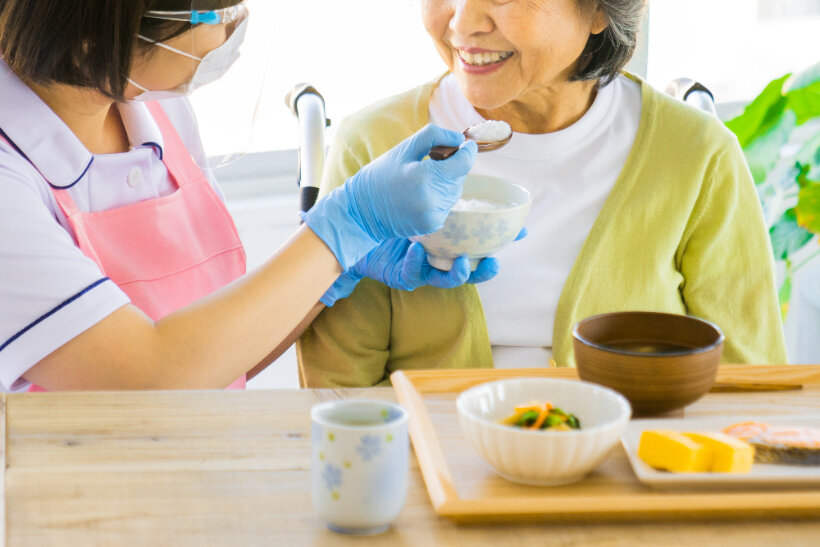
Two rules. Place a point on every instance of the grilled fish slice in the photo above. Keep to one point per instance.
(790, 445)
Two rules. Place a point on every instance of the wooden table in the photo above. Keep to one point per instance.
(232, 468)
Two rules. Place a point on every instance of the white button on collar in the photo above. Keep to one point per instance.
(135, 177)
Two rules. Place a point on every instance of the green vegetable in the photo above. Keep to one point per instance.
(573, 422)
(552, 420)
(528, 418)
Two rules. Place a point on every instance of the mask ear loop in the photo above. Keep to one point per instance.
(169, 48)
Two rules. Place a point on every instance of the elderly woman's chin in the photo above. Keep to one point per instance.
(484, 96)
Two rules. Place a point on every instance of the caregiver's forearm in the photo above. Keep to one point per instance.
(288, 342)
(206, 345)
(231, 331)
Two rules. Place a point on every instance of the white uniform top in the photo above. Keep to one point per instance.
(50, 292)
(570, 174)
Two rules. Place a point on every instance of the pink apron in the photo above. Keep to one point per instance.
(168, 252)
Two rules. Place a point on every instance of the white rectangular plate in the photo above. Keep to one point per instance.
(761, 476)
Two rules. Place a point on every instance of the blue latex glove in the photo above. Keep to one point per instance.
(403, 265)
(397, 195)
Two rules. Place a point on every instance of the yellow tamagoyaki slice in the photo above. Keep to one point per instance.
(673, 451)
(728, 454)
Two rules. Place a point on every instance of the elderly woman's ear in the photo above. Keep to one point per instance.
(599, 22)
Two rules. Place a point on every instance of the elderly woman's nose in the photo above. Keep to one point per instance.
(470, 17)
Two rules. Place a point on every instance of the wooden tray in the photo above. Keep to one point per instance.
(464, 488)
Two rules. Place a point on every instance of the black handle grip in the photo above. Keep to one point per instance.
(439, 153)
(308, 197)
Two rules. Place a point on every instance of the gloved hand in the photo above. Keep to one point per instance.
(396, 195)
(403, 265)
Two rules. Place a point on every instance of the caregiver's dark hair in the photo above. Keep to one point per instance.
(607, 53)
(85, 43)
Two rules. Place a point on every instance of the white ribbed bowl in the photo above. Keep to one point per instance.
(543, 458)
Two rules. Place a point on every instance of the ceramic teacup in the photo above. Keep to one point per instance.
(359, 464)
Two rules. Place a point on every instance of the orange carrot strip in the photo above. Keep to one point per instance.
(545, 410)
(526, 408)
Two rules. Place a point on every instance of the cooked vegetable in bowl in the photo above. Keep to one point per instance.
(537, 415)
(529, 453)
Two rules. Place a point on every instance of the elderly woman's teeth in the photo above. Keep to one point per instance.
(486, 58)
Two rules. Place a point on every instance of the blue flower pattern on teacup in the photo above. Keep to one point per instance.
(483, 232)
(390, 414)
(370, 446)
(332, 476)
(456, 233)
(316, 432)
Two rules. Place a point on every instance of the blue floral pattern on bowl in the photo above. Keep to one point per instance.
(483, 232)
(502, 228)
(477, 234)
(456, 233)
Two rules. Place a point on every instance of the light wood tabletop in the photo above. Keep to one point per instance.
(232, 468)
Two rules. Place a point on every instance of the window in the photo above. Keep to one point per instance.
(734, 47)
(355, 52)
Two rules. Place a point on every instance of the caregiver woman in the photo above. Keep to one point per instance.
(120, 267)
(639, 202)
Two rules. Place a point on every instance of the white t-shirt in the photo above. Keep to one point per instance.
(50, 292)
(570, 174)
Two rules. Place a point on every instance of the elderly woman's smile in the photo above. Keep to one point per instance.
(482, 61)
(511, 55)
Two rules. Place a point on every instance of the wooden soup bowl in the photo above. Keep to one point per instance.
(660, 362)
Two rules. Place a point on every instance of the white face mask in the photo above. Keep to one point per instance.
(211, 67)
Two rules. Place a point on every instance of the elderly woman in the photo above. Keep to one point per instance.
(639, 202)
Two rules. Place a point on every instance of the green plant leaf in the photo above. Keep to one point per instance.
(802, 79)
(763, 152)
(805, 102)
(753, 120)
(800, 172)
(785, 294)
(808, 207)
(787, 236)
(809, 152)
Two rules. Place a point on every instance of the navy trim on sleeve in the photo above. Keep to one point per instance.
(52, 312)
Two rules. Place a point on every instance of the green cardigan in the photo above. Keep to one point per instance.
(682, 231)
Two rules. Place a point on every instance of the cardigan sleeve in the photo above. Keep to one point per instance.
(728, 266)
(348, 345)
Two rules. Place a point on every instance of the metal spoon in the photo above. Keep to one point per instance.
(443, 152)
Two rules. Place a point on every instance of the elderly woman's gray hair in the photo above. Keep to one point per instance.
(607, 53)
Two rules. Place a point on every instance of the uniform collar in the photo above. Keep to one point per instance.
(52, 148)
(141, 127)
